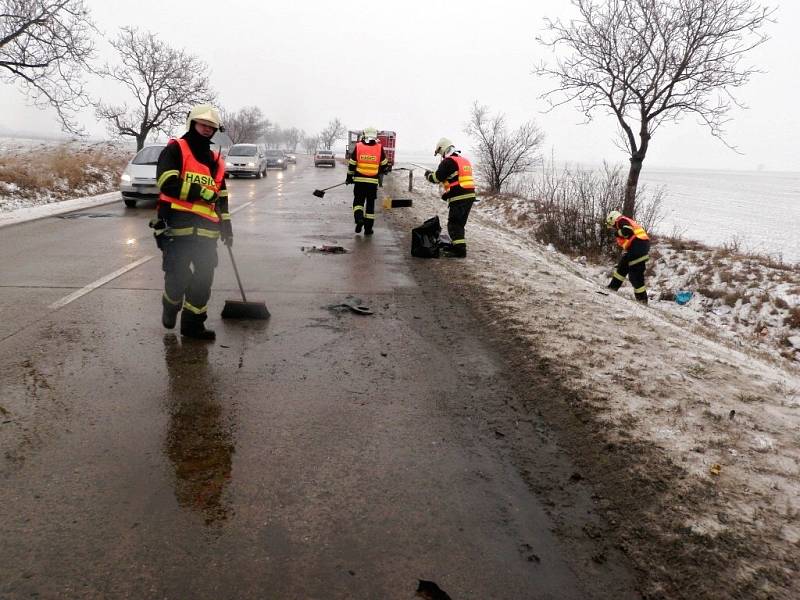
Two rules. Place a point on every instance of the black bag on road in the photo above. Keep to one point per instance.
(425, 239)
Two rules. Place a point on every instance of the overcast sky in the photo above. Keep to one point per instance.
(305, 62)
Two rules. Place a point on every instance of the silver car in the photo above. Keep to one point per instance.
(246, 159)
(138, 181)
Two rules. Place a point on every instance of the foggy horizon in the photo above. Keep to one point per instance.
(299, 64)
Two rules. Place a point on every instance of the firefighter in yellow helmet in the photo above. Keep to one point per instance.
(633, 239)
(192, 216)
(365, 170)
(455, 175)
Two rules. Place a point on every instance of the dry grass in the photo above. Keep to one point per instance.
(62, 168)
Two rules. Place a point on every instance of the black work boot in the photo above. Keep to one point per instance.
(454, 251)
(368, 228)
(192, 326)
(641, 297)
(359, 222)
(169, 313)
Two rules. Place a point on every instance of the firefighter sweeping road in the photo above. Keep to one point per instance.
(321, 454)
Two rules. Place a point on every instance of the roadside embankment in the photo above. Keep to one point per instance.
(686, 431)
(34, 173)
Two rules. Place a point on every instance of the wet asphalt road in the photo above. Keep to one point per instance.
(318, 455)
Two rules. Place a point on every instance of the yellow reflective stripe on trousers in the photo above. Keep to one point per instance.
(640, 290)
(358, 208)
(170, 300)
(616, 275)
(369, 216)
(461, 197)
(184, 231)
(196, 310)
(461, 241)
(225, 216)
(366, 180)
(166, 175)
(208, 233)
(641, 259)
(181, 231)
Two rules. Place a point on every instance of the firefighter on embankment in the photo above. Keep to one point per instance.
(455, 175)
(365, 169)
(192, 215)
(633, 239)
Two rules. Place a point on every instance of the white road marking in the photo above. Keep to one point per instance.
(96, 284)
(111, 276)
(238, 208)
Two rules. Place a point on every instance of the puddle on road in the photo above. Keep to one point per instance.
(200, 436)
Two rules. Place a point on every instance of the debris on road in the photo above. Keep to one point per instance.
(430, 591)
(353, 304)
(325, 249)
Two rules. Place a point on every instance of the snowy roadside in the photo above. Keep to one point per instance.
(691, 439)
(35, 173)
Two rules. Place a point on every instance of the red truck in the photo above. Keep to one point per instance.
(386, 138)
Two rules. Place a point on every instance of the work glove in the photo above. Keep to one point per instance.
(197, 191)
(349, 179)
(226, 232)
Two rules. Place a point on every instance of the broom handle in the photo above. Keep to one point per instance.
(235, 270)
(333, 186)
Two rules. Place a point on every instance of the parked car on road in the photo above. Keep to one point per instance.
(276, 159)
(138, 181)
(246, 159)
(324, 157)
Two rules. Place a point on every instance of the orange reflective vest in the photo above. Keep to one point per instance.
(193, 171)
(638, 232)
(462, 178)
(368, 159)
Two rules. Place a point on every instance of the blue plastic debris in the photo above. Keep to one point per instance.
(683, 297)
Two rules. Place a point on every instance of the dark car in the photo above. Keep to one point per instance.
(276, 159)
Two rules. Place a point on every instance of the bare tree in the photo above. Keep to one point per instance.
(274, 136)
(246, 125)
(651, 61)
(310, 144)
(332, 133)
(45, 47)
(501, 153)
(164, 82)
(292, 137)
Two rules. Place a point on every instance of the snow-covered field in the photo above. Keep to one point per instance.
(686, 415)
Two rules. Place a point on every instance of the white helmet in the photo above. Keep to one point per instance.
(612, 218)
(205, 113)
(370, 133)
(442, 146)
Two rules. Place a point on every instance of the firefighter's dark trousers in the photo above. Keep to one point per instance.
(188, 265)
(364, 195)
(632, 265)
(457, 215)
